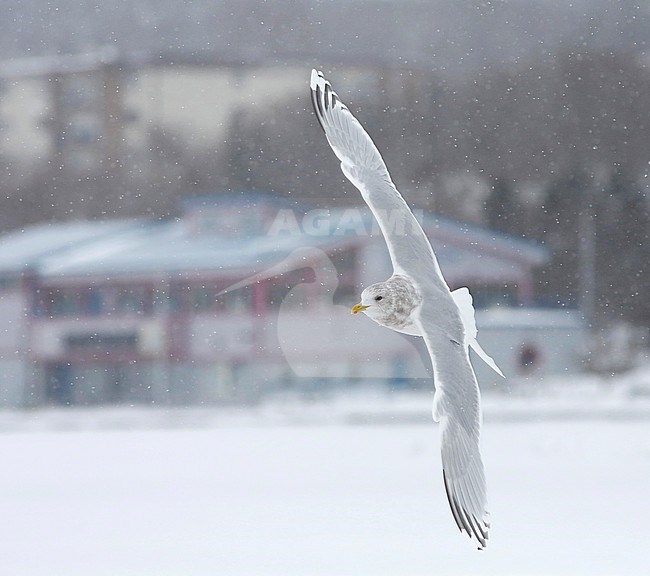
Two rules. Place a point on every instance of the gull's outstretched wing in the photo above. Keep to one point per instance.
(457, 406)
(457, 400)
(362, 164)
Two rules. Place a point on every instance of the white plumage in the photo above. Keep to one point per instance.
(417, 300)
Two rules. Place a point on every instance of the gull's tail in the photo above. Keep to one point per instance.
(463, 300)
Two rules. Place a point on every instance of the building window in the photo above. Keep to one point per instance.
(276, 294)
(9, 282)
(102, 341)
(61, 302)
(203, 298)
(133, 300)
(237, 301)
(95, 301)
(297, 298)
(487, 296)
(207, 298)
(160, 300)
(179, 297)
(289, 289)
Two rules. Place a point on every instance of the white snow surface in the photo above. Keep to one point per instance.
(343, 485)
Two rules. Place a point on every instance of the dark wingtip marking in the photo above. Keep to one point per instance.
(484, 533)
(324, 98)
(314, 103)
(319, 97)
(328, 91)
(460, 521)
(471, 525)
(476, 529)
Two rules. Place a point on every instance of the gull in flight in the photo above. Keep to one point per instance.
(417, 300)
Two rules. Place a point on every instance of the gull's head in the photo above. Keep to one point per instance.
(375, 302)
(390, 303)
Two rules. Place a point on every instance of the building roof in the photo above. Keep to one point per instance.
(241, 232)
(168, 247)
(31, 247)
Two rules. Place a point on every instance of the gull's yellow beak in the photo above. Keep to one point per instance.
(358, 308)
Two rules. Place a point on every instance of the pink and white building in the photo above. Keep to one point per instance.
(135, 310)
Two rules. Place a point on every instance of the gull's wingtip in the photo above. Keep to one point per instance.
(466, 521)
(315, 76)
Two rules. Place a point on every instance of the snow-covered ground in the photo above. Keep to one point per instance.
(347, 485)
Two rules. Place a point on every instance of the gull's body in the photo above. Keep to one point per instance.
(416, 300)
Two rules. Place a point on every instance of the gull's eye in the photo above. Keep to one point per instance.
(378, 298)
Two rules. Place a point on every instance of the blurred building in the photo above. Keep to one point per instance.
(244, 293)
(97, 108)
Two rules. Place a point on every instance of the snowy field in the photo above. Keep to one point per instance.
(343, 486)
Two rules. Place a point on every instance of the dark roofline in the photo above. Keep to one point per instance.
(461, 230)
